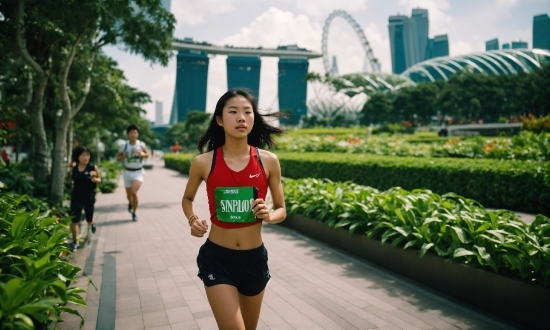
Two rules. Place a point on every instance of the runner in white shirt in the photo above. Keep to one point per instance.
(132, 153)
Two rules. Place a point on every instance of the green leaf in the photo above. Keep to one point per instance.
(42, 261)
(483, 253)
(28, 322)
(19, 224)
(26, 292)
(461, 252)
(459, 233)
(399, 214)
(60, 289)
(405, 231)
(42, 240)
(409, 244)
(425, 247)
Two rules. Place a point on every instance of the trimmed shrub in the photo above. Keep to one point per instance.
(514, 185)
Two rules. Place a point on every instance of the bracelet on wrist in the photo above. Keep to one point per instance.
(193, 218)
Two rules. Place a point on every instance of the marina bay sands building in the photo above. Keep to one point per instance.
(243, 70)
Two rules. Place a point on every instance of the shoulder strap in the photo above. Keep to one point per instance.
(214, 155)
(259, 157)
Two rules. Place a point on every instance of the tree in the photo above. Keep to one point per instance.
(80, 30)
(189, 132)
(33, 36)
(377, 109)
(110, 107)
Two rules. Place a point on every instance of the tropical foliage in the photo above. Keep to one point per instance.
(448, 225)
(34, 280)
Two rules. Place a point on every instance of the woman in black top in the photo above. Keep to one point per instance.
(85, 176)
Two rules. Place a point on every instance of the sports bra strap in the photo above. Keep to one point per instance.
(259, 157)
(213, 161)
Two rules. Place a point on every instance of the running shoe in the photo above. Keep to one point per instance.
(134, 217)
(129, 208)
(74, 246)
(93, 228)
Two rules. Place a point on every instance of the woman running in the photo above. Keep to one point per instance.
(85, 177)
(233, 261)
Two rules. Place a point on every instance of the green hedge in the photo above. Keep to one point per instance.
(179, 162)
(518, 185)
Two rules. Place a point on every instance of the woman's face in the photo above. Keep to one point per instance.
(84, 158)
(237, 117)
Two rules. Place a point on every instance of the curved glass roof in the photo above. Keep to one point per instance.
(507, 61)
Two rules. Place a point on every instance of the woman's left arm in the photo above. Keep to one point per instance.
(273, 168)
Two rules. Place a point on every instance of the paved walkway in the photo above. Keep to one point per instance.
(145, 274)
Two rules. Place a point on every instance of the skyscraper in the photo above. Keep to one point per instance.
(519, 44)
(244, 71)
(492, 44)
(441, 46)
(420, 17)
(191, 82)
(437, 47)
(403, 42)
(292, 88)
(158, 113)
(541, 31)
(506, 46)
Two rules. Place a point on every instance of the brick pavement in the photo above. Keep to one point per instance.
(151, 263)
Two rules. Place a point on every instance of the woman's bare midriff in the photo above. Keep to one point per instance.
(246, 238)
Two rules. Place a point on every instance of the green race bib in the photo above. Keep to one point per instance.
(234, 204)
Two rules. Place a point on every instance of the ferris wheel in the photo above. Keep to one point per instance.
(373, 61)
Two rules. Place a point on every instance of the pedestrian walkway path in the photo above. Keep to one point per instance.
(145, 274)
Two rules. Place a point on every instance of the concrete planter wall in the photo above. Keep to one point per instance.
(510, 299)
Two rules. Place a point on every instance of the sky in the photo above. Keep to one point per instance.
(269, 23)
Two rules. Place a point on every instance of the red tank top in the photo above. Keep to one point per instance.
(253, 175)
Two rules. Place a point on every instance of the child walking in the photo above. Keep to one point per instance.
(232, 262)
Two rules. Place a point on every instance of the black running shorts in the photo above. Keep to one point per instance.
(77, 205)
(244, 269)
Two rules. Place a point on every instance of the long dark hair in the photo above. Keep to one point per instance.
(79, 151)
(259, 136)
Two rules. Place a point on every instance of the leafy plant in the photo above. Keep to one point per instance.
(448, 225)
(33, 279)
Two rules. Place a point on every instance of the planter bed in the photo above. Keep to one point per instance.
(510, 299)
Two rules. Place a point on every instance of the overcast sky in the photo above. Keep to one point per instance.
(269, 23)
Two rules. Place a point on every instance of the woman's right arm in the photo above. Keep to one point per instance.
(198, 227)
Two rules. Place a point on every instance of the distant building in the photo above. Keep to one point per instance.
(506, 46)
(441, 46)
(244, 71)
(334, 69)
(541, 31)
(292, 88)
(403, 43)
(420, 17)
(158, 113)
(191, 82)
(166, 4)
(492, 44)
(437, 47)
(519, 44)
